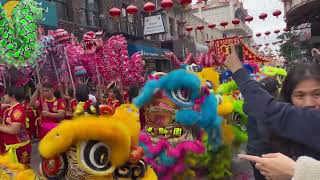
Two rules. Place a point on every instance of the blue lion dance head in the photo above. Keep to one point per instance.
(196, 106)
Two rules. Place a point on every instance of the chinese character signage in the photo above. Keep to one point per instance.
(220, 46)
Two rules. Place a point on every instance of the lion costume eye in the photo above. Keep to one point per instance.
(219, 98)
(209, 84)
(236, 119)
(94, 156)
(181, 96)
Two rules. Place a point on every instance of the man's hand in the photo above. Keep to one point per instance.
(45, 113)
(274, 166)
(232, 61)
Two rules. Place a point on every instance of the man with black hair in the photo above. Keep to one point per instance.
(52, 109)
(13, 131)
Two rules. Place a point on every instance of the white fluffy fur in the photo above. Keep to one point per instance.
(307, 169)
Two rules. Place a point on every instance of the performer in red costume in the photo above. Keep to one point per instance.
(13, 130)
(52, 109)
(31, 119)
(71, 104)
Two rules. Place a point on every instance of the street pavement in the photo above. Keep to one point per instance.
(35, 157)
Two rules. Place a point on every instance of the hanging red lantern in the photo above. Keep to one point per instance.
(211, 26)
(224, 24)
(189, 28)
(249, 19)
(235, 21)
(286, 30)
(249, 36)
(132, 9)
(200, 27)
(263, 16)
(149, 7)
(276, 13)
(277, 31)
(115, 12)
(267, 33)
(166, 4)
(258, 34)
(185, 2)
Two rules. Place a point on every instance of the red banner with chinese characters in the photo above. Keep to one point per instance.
(220, 45)
(251, 56)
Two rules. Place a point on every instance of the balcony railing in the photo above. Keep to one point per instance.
(121, 25)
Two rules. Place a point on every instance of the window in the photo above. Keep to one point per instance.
(181, 29)
(62, 10)
(171, 25)
(196, 35)
(124, 10)
(90, 13)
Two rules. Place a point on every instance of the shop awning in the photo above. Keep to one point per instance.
(147, 52)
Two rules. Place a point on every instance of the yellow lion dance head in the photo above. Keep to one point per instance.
(96, 148)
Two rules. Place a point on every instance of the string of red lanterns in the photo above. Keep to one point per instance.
(189, 28)
(115, 12)
(200, 27)
(132, 9)
(263, 16)
(185, 2)
(211, 26)
(235, 22)
(248, 19)
(166, 4)
(276, 13)
(224, 24)
(149, 7)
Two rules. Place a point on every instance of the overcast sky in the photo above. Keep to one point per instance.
(255, 7)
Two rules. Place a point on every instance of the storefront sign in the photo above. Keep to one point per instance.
(153, 25)
(146, 51)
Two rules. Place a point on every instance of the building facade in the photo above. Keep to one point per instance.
(217, 11)
(303, 16)
(81, 16)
